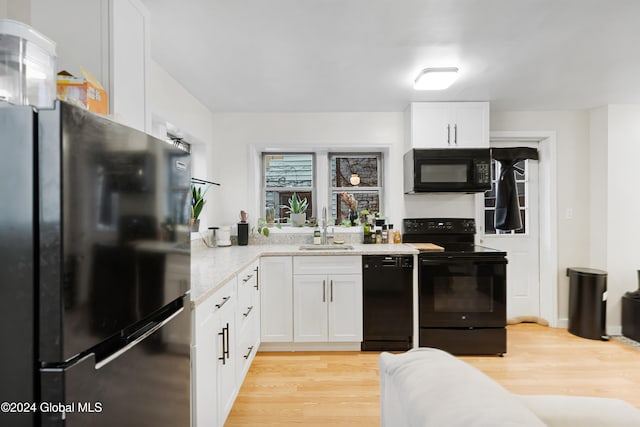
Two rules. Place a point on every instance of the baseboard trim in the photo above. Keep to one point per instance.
(309, 346)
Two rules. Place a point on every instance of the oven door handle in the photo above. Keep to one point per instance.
(463, 258)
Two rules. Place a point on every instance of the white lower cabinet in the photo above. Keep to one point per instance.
(247, 319)
(345, 308)
(327, 307)
(226, 328)
(276, 282)
(310, 308)
(214, 372)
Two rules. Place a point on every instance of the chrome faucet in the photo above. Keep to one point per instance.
(324, 239)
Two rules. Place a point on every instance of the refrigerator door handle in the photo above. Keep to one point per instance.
(135, 342)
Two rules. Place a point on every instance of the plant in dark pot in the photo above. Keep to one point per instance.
(297, 210)
(197, 204)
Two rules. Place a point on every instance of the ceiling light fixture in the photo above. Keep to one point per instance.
(355, 179)
(435, 78)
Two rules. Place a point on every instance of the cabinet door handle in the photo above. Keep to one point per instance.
(224, 301)
(226, 350)
(246, 279)
(246, 356)
(324, 291)
(448, 134)
(455, 134)
(221, 334)
(257, 285)
(331, 294)
(248, 311)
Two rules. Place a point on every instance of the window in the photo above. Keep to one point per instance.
(522, 169)
(366, 168)
(285, 174)
(331, 173)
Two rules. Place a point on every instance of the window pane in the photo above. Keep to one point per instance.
(489, 226)
(288, 170)
(342, 167)
(490, 196)
(520, 166)
(523, 230)
(277, 199)
(369, 200)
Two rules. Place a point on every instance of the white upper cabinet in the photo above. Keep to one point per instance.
(109, 38)
(447, 125)
(129, 59)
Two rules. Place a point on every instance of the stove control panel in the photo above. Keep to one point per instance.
(439, 226)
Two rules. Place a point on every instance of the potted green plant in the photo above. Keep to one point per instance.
(297, 210)
(197, 204)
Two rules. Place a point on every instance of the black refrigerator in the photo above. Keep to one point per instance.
(94, 272)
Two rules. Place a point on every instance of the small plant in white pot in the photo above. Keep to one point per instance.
(297, 210)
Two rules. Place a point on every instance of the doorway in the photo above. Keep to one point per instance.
(532, 251)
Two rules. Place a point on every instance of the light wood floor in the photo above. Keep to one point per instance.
(320, 389)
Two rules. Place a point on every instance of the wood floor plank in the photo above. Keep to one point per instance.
(342, 388)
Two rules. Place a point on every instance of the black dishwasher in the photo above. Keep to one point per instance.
(387, 282)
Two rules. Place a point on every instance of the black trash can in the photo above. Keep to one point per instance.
(588, 303)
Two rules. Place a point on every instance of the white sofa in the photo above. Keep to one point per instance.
(427, 387)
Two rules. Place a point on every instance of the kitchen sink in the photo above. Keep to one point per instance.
(330, 247)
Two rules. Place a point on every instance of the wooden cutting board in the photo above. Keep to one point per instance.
(426, 247)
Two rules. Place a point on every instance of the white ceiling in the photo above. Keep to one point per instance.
(362, 55)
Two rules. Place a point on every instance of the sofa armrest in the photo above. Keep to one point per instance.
(429, 387)
(578, 411)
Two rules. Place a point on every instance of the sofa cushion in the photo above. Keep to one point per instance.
(429, 387)
(577, 411)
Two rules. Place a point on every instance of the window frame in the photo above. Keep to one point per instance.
(322, 187)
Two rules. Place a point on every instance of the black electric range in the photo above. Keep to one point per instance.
(455, 235)
(461, 290)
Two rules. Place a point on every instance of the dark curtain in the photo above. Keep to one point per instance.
(507, 215)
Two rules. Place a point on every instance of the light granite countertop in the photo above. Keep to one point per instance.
(212, 267)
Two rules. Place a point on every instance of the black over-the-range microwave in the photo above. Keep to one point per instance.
(462, 170)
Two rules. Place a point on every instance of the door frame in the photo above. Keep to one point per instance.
(548, 214)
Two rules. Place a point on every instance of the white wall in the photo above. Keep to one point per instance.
(572, 137)
(598, 187)
(170, 102)
(623, 227)
(238, 137)
(19, 10)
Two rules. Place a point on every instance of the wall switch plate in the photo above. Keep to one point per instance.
(568, 214)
